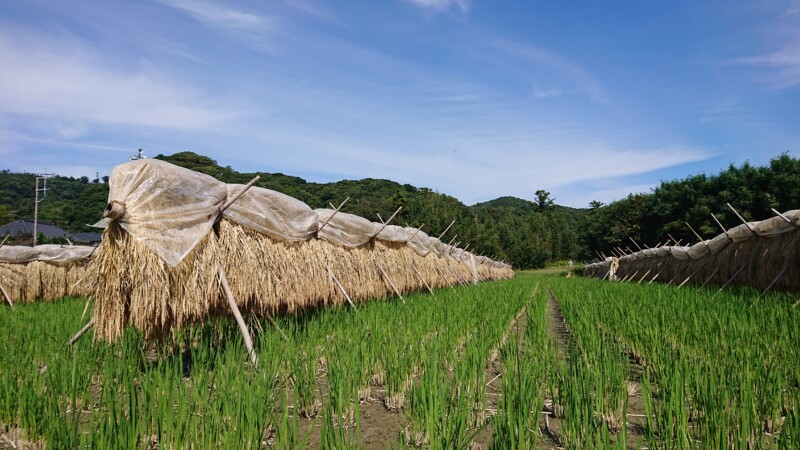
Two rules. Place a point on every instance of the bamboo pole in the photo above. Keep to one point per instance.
(744, 266)
(773, 210)
(387, 222)
(5, 239)
(275, 324)
(716, 269)
(774, 280)
(741, 218)
(693, 274)
(247, 186)
(335, 211)
(446, 229)
(390, 282)
(248, 342)
(414, 233)
(341, 288)
(698, 237)
(720, 225)
(413, 266)
(8, 297)
(634, 243)
(81, 332)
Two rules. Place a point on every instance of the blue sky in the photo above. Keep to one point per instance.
(476, 99)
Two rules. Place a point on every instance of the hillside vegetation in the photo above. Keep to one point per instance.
(525, 233)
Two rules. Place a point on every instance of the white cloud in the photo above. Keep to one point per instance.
(785, 65)
(530, 61)
(57, 77)
(441, 5)
(218, 16)
(539, 91)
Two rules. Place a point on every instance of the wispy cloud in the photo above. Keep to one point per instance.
(442, 5)
(540, 91)
(213, 14)
(57, 76)
(531, 61)
(784, 65)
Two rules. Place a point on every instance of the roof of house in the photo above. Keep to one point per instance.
(25, 228)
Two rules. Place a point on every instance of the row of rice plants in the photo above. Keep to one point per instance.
(448, 405)
(197, 389)
(718, 372)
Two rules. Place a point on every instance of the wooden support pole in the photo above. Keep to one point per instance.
(341, 288)
(634, 243)
(716, 269)
(643, 276)
(335, 211)
(82, 331)
(387, 222)
(741, 218)
(720, 225)
(774, 280)
(444, 277)
(275, 324)
(446, 229)
(744, 266)
(698, 237)
(692, 274)
(677, 242)
(773, 210)
(414, 233)
(8, 297)
(386, 276)
(239, 194)
(655, 276)
(5, 239)
(248, 342)
(422, 279)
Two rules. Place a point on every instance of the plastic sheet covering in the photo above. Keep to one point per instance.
(345, 229)
(436, 246)
(18, 254)
(420, 242)
(168, 208)
(271, 213)
(393, 233)
(771, 227)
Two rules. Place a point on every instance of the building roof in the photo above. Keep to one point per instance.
(25, 228)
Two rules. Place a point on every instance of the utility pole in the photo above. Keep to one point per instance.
(38, 200)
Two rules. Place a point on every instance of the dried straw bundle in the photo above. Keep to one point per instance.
(12, 278)
(135, 287)
(763, 259)
(266, 276)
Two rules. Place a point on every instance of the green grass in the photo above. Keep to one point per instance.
(715, 372)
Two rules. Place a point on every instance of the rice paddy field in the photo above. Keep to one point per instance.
(538, 361)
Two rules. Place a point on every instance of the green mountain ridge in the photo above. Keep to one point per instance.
(525, 233)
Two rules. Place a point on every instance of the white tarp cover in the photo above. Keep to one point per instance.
(168, 208)
(271, 213)
(392, 233)
(419, 241)
(773, 226)
(347, 230)
(18, 254)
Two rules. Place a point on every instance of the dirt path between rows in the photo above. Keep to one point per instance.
(551, 427)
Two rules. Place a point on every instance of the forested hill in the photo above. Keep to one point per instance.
(651, 218)
(526, 233)
(523, 233)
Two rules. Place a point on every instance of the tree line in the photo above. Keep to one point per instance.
(525, 233)
(655, 218)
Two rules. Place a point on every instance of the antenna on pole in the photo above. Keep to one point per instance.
(140, 155)
(43, 177)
